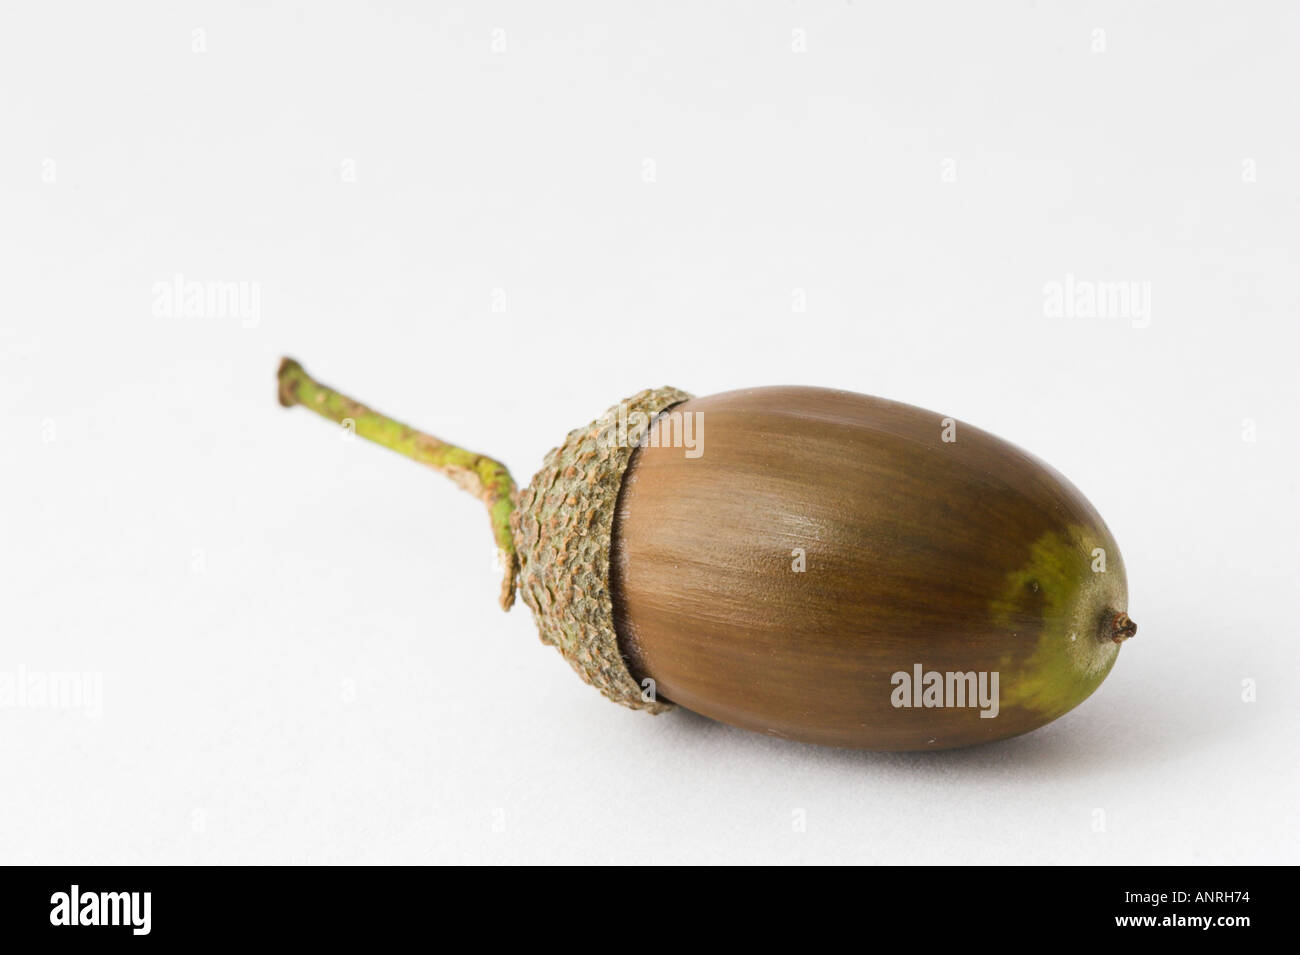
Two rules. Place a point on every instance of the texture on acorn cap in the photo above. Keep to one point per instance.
(563, 523)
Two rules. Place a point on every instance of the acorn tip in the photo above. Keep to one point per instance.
(1119, 627)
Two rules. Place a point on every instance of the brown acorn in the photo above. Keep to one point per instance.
(812, 564)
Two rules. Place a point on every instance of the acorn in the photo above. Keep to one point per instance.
(812, 564)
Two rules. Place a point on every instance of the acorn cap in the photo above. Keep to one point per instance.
(562, 525)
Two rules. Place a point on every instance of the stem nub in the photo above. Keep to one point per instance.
(1118, 627)
(484, 477)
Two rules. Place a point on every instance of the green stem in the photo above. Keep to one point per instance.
(485, 478)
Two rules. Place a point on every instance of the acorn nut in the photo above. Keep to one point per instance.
(813, 564)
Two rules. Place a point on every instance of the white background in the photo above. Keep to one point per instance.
(300, 652)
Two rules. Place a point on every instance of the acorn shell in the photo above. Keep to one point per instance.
(825, 544)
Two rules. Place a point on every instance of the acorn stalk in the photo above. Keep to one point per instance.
(486, 478)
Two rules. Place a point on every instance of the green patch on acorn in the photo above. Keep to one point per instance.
(1077, 645)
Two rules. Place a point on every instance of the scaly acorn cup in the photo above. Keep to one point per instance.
(826, 567)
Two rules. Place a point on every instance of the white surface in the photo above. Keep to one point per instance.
(300, 653)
